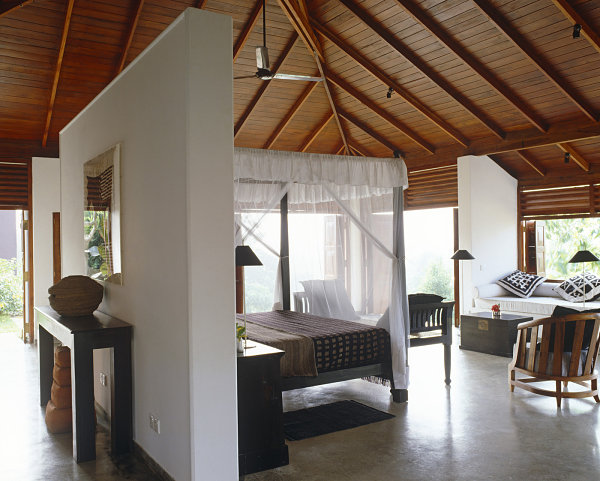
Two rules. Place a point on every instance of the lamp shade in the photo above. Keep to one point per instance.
(583, 256)
(245, 256)
(462, 255)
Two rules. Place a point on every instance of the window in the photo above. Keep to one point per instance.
(429, 237)
(563, 238)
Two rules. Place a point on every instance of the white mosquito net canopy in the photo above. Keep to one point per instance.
(329, 231)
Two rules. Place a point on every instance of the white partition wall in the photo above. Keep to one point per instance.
(487, 216)
(171, 110)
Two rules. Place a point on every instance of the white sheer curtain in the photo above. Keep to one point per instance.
(345, 216)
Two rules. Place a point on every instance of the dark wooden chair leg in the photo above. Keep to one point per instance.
(595, 388)
(447, 361)
(558, 393)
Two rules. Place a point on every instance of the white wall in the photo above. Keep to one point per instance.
(175, 125)
(487, 215)
(45, 173)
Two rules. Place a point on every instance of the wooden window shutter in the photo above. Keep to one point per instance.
(14, 185)
(560, 202)
(432, 188)
(99, 191)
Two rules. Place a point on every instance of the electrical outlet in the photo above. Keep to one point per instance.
(103, 381)
(154, 423)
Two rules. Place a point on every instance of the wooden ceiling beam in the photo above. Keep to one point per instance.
(245, 34)
(265, 85)
(370, 132)
(8, 7)
(200, 3)
(358, 151)
(340, 150)
(559, 133)
(576, 156)
(297, 13)
(573, 15)
(324, 73)
(434, 29)
(315, 133)
(380, 112)
(526, 156)
(388, 82)
(61, 52)
(533, 56)
(130, 33)
(291, 113)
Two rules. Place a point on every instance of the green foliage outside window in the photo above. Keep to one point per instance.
(437, 279)
(96, 233)
(563, 238)
(11, 287)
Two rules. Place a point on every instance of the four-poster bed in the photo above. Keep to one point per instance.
(340, 220)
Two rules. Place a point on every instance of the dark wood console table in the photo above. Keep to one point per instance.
(82, 335)
(261, 441)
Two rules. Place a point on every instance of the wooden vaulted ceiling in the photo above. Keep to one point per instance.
(499, 77)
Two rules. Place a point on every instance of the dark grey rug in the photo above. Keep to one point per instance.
(329, 418)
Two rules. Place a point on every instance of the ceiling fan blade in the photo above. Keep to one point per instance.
(306, 78)
(244, 76)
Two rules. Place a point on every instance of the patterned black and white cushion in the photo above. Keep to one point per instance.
(521, 283)
(573, 289)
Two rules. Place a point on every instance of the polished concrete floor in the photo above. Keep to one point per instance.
(27, 451)
(474, 430)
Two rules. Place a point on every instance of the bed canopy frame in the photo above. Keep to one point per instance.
(363, 196)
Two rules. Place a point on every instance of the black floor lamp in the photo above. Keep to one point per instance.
(245, 256)
(581, 258)
(461, 255)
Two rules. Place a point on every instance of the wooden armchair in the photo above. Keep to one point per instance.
(560, 349)
(431, 323)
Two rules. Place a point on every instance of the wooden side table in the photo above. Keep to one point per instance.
(82, 335)
(482, 332)
(261, 442)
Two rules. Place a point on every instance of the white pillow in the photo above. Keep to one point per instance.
(328, 298)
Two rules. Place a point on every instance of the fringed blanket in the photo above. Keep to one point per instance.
(336, 344)
(299, 358)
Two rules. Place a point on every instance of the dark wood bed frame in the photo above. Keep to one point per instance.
(430, 323)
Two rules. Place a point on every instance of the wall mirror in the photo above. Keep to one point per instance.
(102, 216)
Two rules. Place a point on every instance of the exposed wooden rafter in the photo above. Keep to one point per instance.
(265, 85)
(291, 113)
(356, 150)
(370, 132)
(388, 82)
(439, 33)
(315, 133)
(531, 161)
(340, 150)
(574, 155)
(250, 24)
(297, 13)
(533, 56)
(416, 138)
(558, 133)
(8, 7)
(588, 31)
(331, 99)
(61, 52)
(130, 33)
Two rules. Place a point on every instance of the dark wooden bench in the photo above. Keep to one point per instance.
(431, 323)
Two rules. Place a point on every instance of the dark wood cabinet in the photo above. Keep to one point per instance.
(482, 332)
(261, 442)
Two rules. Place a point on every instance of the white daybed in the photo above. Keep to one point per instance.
(541, 303)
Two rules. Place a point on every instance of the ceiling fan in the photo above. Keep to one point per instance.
(262, 61)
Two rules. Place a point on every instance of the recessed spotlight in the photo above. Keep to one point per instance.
(576, 30)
